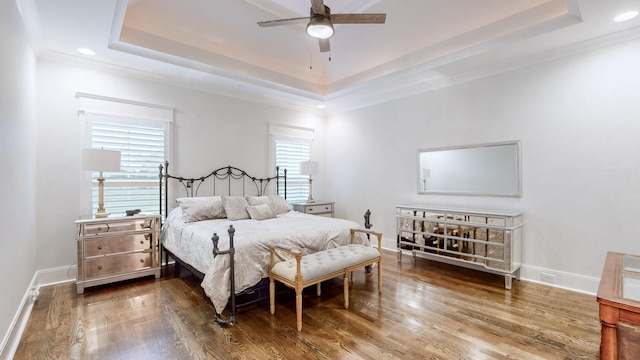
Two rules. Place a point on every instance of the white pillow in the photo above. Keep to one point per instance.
(201, 208)
(235, 207)
(260, 212)
(257, 200)
(278, 204)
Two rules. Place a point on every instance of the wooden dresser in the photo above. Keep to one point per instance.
(116, 249)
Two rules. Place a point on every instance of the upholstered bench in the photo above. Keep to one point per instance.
(301, 271)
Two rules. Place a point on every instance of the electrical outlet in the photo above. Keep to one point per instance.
(548, 278)
(34, 295)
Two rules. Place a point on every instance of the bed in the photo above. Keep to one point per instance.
(224, 239)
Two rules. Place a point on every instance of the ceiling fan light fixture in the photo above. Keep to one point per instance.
(320, 27)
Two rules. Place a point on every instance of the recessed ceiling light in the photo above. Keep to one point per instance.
(626, 16)
(86, 51)
(322, 106)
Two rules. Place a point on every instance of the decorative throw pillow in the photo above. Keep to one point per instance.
(278, 204)
(260, 212)
(257, 200)
(201, 208)
(235, 207)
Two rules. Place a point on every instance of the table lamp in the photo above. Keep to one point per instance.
(426, 173)
(100, 160)
(309, 168)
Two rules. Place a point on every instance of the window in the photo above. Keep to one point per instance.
(289, 153)
(141, 132)
(142, 148)
(290, 147)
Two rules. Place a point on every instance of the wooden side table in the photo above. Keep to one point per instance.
(619, 300)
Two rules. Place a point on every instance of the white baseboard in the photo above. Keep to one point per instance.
(17, 326)
(56, 275)
(560, 279)
(40, 278)
(555, 278)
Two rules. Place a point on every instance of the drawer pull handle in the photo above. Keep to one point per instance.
(100, 227)
(99, 267)
(99, 247)
(141, 261)
(141, 241)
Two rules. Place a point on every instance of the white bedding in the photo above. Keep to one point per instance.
(191, 242)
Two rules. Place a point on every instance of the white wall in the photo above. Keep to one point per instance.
(210, 131)
(579, 122)
(18, 164)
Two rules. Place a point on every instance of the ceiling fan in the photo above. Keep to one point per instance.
(320, 22)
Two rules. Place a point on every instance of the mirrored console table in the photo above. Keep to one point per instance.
(486, 240)
(117, 248)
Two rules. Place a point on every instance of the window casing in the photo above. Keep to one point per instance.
(143, 145)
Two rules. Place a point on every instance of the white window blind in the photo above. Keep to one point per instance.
(144, 146)
(291, 145)
(289, 152)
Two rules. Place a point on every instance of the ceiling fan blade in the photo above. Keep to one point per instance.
(358, 18)
(317, 6)
(324, 45)
(279, 22)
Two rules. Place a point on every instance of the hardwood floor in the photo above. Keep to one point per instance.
(426, 311)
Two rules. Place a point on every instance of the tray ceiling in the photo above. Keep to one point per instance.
(423, 44)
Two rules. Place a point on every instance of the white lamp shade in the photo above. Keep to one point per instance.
(100, 160)
(309, 168)
(320, 27)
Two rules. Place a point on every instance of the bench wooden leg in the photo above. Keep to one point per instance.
(379, 277)
(272, 296)
(299, 309)
(318, 289)
(346, 290)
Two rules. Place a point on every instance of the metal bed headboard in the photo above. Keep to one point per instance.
(228, 173)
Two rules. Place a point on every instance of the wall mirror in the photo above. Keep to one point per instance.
(487, 169)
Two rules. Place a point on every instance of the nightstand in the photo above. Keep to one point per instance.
(322, 208)
(116, 249)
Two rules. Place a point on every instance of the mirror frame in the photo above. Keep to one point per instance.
(517, 168)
